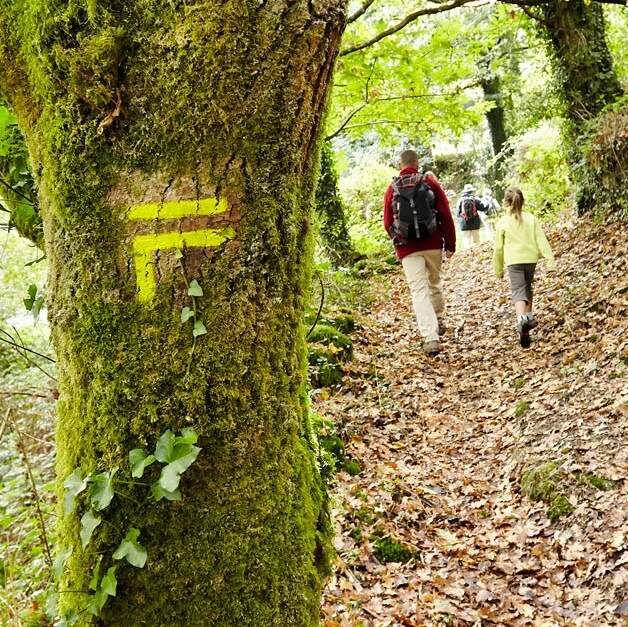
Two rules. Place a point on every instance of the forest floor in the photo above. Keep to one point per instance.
(440, 526)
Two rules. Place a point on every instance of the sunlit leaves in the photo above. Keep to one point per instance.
(194, 289)
(101, 493)
(89, 522)
(139, 461)
(74, 485)
(59, 562)
(131, 549)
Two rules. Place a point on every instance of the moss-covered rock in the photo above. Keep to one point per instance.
(336, 341)
(543, 484)
(388, 549)
(372, 266)
(596, 481)
(540, 483)
(325, 368)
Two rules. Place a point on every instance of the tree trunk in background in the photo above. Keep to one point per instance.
(129, 110)
(331, 212)
(497, 129)
(583, 64)
(583, 67)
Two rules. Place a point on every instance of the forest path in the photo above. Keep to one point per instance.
(443, 443)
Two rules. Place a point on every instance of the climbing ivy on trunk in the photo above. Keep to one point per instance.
(175, 142)
(583, 68)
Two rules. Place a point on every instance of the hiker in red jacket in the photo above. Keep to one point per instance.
(418, 220)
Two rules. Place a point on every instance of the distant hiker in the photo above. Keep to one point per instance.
(519, 243)
(492, 210)
(490, 202)
(419, 222)
(468, 214)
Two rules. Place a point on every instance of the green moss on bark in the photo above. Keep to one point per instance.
(134, 102)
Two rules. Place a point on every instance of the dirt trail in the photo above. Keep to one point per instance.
(443, 444)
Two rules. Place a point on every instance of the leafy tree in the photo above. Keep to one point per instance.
(174, 146)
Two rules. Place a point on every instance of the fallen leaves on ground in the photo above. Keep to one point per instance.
(443, 443)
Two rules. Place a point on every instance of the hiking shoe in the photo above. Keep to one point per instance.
(523, 327)
(532, 322)
(431, 348)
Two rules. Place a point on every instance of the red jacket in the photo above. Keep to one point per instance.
(446, 233)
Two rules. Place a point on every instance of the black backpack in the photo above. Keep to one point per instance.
(414, 209)
(469, 209)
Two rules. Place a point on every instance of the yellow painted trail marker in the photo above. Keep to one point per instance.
(145, 245)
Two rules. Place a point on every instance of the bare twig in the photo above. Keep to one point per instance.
(357, 110)
(25, 348)
(360, 12)
(16, 191)
(29, 472)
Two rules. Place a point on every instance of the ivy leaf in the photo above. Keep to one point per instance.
(74, 485)
(139, 461)
(199, 328)
(165, 446)
(59, 562)
(69, 619)
(89, 522)
(159, 493)
(109, 582)
(131, 549)
(30, 299)
(34, 302)
(186, 314)
(188, 436)
(51, 608)
(97, 602)
(194, 289)
(171, 474)
(93, 582)
(101, 492)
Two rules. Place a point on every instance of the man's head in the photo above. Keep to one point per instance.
(409, 158)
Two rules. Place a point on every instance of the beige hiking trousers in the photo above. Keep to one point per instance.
(422, 270)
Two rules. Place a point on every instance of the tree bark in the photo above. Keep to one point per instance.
(157, 126)
(331, 213)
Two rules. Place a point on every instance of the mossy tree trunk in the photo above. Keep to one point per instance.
(130, 109)
(583, 68)
(576, 35)
(331, 212)
(495, 118)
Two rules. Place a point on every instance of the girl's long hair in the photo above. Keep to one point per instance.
(513, 199)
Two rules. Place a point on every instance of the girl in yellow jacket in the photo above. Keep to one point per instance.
(519, 244)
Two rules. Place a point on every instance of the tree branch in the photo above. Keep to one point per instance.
(360, 12)
(357, 110)
(403, 23)
(346, 121)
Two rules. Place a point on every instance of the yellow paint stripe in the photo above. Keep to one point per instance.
(144, 245)
(178, 209)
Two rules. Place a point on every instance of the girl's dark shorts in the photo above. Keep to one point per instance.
(521, 277)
